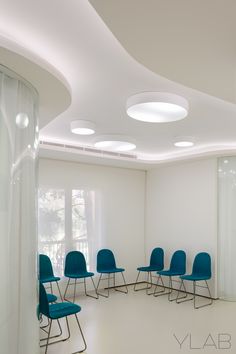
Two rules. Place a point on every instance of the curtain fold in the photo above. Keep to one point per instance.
(227, 228)
(18, 166)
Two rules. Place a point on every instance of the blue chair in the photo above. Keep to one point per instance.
(75, 268)
(177, 268)
(156, 263)
(51, 299)
(106, 264)
(201, 272)
(56, 312)
(46, 274)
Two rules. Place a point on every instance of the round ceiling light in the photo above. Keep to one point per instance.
(82, 127)
(115, 143)
(184, 141)
(157, 107)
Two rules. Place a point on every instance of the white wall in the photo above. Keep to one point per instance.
(122, 194)
(181, 210)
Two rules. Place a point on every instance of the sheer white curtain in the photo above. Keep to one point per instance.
(93, 217)
(18, 152)
(227, 229)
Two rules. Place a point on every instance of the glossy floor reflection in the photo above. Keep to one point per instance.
(140, 324)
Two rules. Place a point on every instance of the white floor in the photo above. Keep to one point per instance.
(141, 324)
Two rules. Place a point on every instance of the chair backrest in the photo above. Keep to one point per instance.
(178, 262)
(45, 267)
(202, 264)
(43, 300)
(75, 263)
(105, 260)
(157, 258)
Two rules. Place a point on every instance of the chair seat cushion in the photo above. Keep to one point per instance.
(169, 273)
(112, 270)
(49, 279)
(149, 269)
(195, 277)
(63, 309)
(79, 275)
(51, 298)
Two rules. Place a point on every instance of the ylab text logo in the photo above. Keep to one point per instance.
(190, 341)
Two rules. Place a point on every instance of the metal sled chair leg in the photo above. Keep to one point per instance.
(51, 299)
(85, 289)
(195, 296)
(106, 265)
(169, 292)
(55, 336)
(177, 268)
(75, 268)
(145, 287)
(106, 292)
(108, 288)
(156, 263)
(56, 312)
(201, 272)
(155, 293)
(125, 285)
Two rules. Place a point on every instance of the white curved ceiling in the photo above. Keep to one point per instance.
(191, 42)
(102, 75)
(52, 88)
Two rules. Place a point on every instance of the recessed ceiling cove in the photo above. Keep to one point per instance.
(185, 41)
(53, 89)
(102, 75)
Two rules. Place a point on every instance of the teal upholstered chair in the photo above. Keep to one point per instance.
(177, 268)
(156, 263)
(46, 274)
(76, 269)
(51, 299)
(201, 272)
(54, 312)
(106, 265)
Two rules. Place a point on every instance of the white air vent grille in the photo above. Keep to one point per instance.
(86, 150)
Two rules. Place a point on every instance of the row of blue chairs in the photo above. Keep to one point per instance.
(75, 269)
(201, 271)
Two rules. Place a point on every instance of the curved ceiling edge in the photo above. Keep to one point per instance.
(54, 90)
(206, 152)
(60, 149)
(160, 36)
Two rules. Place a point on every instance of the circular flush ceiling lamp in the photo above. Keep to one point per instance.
(82, 127)
(115, 143)
(184, 141)
(157, 107)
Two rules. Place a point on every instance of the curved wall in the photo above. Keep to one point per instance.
(18, 168)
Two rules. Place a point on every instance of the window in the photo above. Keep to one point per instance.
(51, 226)
(79, 223)
(67, 222)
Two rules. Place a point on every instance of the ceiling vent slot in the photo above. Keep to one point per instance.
(84, 149)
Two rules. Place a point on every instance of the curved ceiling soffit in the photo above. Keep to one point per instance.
(53, 89)
(166, 38)
(113, 20)
(142, 160)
